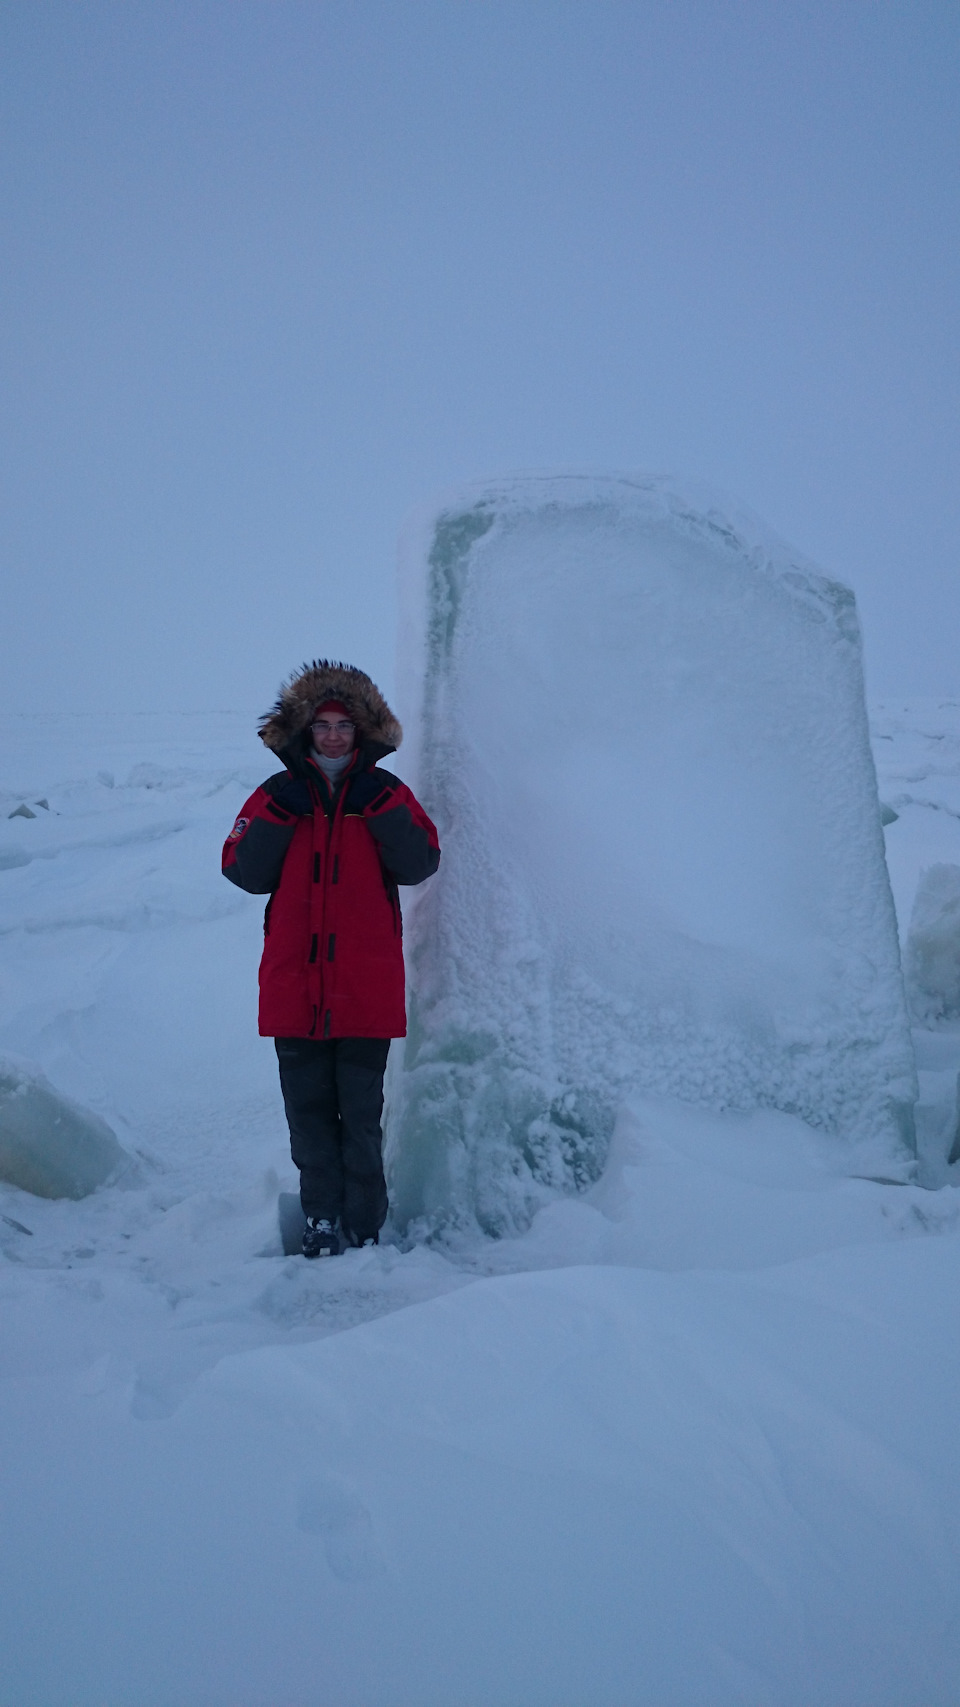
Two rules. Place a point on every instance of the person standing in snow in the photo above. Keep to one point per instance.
(329, 838)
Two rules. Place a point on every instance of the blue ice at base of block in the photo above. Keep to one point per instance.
(292, 1222)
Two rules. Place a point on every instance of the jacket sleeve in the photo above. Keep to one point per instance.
(254, 851)
(407, 839)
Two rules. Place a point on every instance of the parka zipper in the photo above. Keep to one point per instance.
(330, 822)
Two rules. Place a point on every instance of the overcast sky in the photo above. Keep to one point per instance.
(277, 271)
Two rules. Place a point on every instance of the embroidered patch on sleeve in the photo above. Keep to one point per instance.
(238, 829)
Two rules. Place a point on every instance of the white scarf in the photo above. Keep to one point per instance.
(332, 769)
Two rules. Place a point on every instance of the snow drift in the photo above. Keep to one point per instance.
(639, 724)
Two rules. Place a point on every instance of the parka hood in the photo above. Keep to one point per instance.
(285, 729)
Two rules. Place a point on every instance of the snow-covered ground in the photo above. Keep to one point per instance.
(689, 1440)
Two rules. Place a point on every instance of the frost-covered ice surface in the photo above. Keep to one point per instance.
(917, 749)
(640, 727)
(933, 945)
(689, 1440)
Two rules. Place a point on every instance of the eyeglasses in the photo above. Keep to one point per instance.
(341, 728)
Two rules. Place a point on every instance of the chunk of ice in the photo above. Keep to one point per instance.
(933, 945)
(639, 723)
(51, 1146)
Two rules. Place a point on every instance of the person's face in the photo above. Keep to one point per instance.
(333, 734)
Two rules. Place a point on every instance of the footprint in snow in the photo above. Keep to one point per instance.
(329, 1508)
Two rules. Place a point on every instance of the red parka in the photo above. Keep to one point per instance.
(331, 861)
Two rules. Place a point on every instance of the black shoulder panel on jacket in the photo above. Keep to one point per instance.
(291, 793)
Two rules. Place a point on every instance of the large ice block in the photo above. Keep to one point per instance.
(638, 719)
(50, 1145)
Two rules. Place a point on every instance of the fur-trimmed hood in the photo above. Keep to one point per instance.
(285, 729)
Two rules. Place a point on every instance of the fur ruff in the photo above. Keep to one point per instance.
(309, 687)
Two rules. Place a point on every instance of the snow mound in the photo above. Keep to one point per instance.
(651, 1488)
(933, 945)
(50, 1146)
(639, 723)
(690, 1188)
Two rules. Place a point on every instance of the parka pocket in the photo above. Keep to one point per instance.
(393, 897)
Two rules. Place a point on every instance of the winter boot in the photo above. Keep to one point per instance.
(351, 1238)
(319, 1238)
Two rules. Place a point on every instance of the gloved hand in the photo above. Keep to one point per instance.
(367, 792)
(292, 793)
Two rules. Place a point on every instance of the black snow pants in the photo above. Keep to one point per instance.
(333, 1097)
